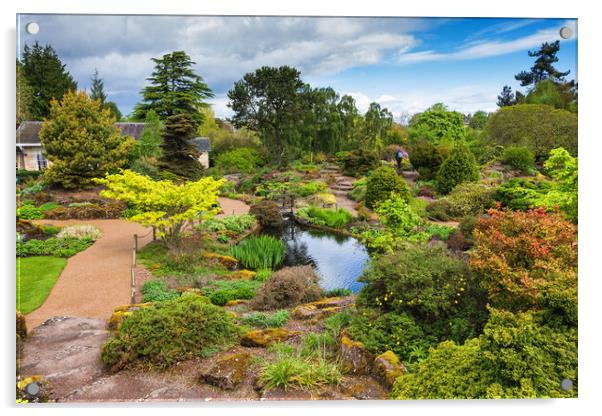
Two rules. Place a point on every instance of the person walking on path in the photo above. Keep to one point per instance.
(399, 156)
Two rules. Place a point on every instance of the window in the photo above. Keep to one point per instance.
(42, 162)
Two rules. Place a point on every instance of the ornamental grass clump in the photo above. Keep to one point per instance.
(84, 231)
(259, 252)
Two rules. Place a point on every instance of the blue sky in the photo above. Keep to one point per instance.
(405, 64)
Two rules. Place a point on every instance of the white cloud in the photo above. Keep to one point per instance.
(487, 49)
(465, 99)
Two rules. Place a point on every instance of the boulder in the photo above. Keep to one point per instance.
(355, 358)
(228, 372)
(362, 388)
(387, 367)
(264, 337)
(321, 309)
(122, 312)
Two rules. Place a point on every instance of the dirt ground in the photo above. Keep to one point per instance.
(97, 280)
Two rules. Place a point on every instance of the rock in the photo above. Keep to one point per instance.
(228, 262)
(122, 312)
(387, 367)
(355, 358)
(34, 389)
(228, 372)
(21, 326)
(241, 275)
(362, 388)
(322, 308)
(264, 337)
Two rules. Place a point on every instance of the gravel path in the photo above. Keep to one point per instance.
(232, 207)
(97, 280)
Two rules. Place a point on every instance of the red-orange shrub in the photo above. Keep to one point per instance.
(527, 260)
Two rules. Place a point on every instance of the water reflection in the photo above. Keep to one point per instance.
(338, 259)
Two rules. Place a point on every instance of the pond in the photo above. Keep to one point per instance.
(338, 259)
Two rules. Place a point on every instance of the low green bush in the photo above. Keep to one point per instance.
(470, 199)
(441, 232)
(221, 292)
(460, 166)
(517, 356)
(29, 212)
(426, 159)
(340, 291)
(156, 291)
(259, 252)
(381, 183)
(326, 217)
(235, 223)
(358, 162)
(358, 193)
(263, 274)
(267, 320)
(318, 344)
(310, 188)
(170, 331)
(241, 160)
(56, 247)
(267, 214)
(520, 158)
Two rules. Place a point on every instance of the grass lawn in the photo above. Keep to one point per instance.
(35, 278)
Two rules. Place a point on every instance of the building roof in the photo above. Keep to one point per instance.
(202, 143)
(28, 132)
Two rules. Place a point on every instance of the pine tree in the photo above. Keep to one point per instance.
(506, 97)
(97, 90)
(180, 156)
(24, 96)
(543, 67)
(175, 89)
(47, 77)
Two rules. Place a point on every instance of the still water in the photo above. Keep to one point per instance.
(338, 259)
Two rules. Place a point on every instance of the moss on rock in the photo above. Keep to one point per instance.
(387, 367)
(264, 337)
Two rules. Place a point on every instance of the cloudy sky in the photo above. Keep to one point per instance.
(405, 64)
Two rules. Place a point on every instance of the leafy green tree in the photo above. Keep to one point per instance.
(351, 122)
(540, 128)
(82, 142)
(180, 155)
(543, 67)
(460, 166)
(47, 77)
(556, 94)
(436, 125)
(24, 96)
(162, 204)
(269, 101)
(114, 110)
(151, 139)
(174, 89)
(478, 120)
(377, 123)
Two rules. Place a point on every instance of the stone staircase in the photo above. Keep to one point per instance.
(341, 187)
